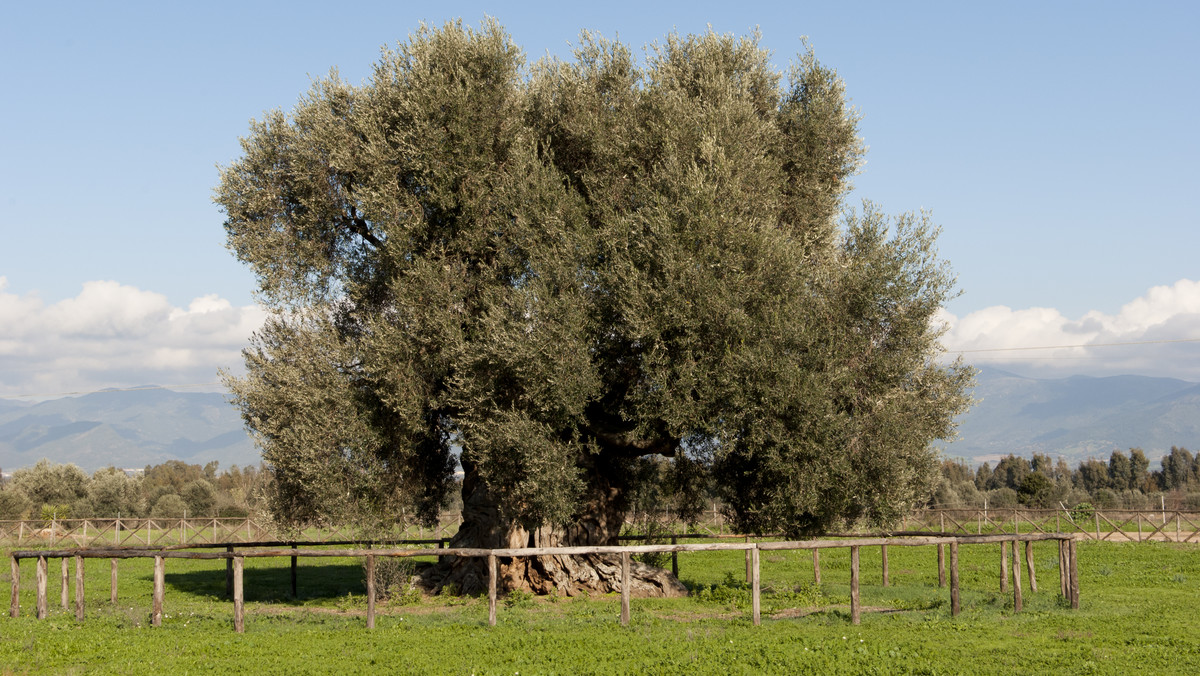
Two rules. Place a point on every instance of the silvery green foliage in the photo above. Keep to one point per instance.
(567, 266)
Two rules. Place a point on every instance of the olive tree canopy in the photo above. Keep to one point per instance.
(565, 268)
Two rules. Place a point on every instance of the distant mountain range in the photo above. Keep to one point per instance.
(1077, 418)
(126, 429)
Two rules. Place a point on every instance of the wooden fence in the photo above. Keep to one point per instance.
(1068, 568)
(1126, 525)
(1112, 525)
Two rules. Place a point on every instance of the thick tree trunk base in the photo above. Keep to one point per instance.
(484, 527)
(590, 574)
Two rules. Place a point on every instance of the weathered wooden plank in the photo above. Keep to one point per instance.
(42, 605)
(1029, 566)
(1074, 573)
(954, 603)
(78, 588)
(112, 584)
(14, 603)
(1003, 566)
(65, 586)
(492, 574)
(1018, 601)
(883, 553)
(229, 572)
(239, 597)
(941, 556)
(156, 611)
(1063, 586)
(854, 606)
(626, 582)
(370, 590)
(755, 592)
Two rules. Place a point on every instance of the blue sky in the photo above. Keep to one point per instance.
(1056, 144)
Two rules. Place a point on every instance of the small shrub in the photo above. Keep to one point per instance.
(731, 591)
(518, 598)
(393, 579)
(1082, 512)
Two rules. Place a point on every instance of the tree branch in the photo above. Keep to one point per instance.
(360, 227)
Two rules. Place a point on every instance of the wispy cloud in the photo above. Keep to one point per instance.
(1136, 340)
(114, 335)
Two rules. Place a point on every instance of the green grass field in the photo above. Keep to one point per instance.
(1138, 612)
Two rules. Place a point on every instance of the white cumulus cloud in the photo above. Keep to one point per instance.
(115, 335)
(1157, 334)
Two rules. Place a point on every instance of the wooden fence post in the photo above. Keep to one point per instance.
(42, 610)
(755, 586)
(1003, 566)
(229, 572)
(78, 588)
(748, 564)
(884, 556)
(941, 550)
(954, 603)
(674, 558)
(65, 586)
(855, 611)
(1029, 565)
(112, 585)
(294, 557)
(1064, 587)
(625, 588)
(1018, 602)
(1139, 520)
(370, 590)
(159, 585)
(1074, 574)
(239, 595)
(14, 604)
(816, 566)
(492, 589)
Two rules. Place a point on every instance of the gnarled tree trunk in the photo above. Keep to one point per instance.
(598, 522)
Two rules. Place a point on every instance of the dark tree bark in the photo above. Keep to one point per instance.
(597, 522)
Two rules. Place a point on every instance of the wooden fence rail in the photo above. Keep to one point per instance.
(1118, 525)
(1068, 577)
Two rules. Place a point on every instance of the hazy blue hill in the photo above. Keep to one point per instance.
(1073, 417)
(126, 429)
(1077, 417)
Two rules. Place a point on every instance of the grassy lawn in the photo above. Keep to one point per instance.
(1137, 613)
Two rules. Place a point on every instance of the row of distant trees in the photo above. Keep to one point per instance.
(170, 490)
(1124, 481)
(175, 489)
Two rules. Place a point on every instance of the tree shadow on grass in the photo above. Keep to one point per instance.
(272, 583)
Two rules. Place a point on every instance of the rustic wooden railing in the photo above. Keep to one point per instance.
(1068, 568)
(1112, 525)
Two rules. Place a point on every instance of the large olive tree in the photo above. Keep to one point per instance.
(567, 268)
